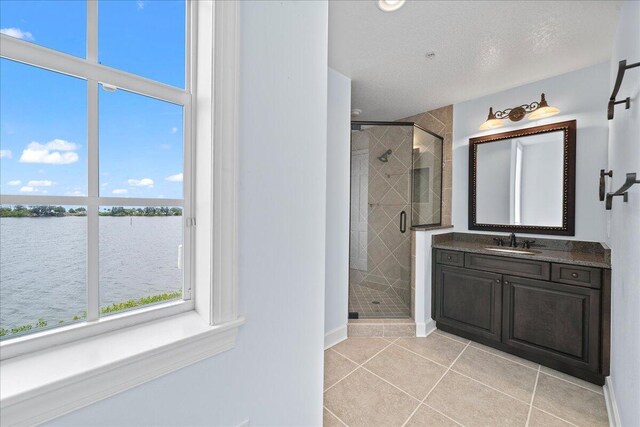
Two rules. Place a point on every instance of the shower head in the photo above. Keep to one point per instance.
(385, 157)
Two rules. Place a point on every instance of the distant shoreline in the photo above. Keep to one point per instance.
(20, 211)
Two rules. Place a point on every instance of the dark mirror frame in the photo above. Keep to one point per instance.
(569, 180)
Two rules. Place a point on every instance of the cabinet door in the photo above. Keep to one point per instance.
(552, 322)
(469, 300)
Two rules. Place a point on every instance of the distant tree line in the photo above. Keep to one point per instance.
(146, 211)
(20, 211)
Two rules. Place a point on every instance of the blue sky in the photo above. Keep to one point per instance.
(43, 115)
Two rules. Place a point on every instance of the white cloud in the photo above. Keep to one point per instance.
(174, 130)
(17, 33)
(6, 154)
(76, 193)
(61, 145)
(15, 182)
(27, 189)
(174, 178)
(165, 146)
(55, 152)
(140, 4)
(40, 183)
(120, 191)
(144, 182)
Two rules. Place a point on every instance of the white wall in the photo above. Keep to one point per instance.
(624, 222)
(338, 177)
(579, 95)
(274, 375)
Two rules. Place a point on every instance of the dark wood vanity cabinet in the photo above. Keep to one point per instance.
(558, 319)
(469, 300)
(556, 322)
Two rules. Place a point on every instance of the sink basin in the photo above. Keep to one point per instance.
(511, 251)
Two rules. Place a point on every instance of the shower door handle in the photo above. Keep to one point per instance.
(403, 221)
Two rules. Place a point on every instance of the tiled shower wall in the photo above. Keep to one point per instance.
(388, 250)
(440, 121)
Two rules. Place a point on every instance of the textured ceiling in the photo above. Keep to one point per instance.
(481, 47)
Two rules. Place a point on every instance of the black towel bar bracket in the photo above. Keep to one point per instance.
(630, 181)
(622, 67)
(602, 175)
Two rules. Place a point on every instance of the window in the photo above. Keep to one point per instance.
(145, 341)
(95, 176)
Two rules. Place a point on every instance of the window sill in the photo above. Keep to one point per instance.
(38, 387)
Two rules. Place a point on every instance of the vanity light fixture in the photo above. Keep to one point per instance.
(390, 5)
(538, 110)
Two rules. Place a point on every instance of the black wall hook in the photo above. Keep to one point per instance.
(622, 67)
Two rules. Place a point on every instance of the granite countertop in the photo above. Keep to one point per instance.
(589, 254)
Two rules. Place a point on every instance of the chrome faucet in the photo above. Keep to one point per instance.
(512, 241)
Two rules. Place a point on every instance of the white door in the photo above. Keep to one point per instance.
(359, 209)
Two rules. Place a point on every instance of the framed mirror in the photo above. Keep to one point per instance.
(523, 181)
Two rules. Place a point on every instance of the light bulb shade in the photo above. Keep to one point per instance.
(543, 112)
(390, 5)
(491, 124)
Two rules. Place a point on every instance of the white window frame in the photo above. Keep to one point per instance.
(96, 74)
(41, 385)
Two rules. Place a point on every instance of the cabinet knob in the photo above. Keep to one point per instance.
(506, 282)
(498, 280)
(448, 257)
(574, 275)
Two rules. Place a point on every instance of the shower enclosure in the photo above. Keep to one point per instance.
(396, 185)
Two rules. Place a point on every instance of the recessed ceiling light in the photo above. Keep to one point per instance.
(390, 5)
(430, 55)
(356, 112)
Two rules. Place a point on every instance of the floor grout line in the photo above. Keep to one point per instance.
(389, 343)
(391, 384)
(435, 385)
(337, 417)
(571, 382)
(424, 357)
(440, 334)
(555, 416)
(441, 413)
(535, 385)
(489, 386)
(505, 358)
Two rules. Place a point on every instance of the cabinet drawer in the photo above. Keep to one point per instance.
(576, 275)
(519, 267)
(450, 257)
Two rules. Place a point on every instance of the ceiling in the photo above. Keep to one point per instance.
(481, 47)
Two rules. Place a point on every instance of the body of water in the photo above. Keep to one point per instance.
(43, 264)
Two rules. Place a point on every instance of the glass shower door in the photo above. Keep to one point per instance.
(380, 256)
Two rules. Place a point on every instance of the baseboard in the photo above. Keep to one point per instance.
(335, 336)
(612, 406)
(425, 329)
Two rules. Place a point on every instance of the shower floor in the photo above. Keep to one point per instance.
(374, 304)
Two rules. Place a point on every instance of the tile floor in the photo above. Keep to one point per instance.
(444, 380)
(375, 304)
